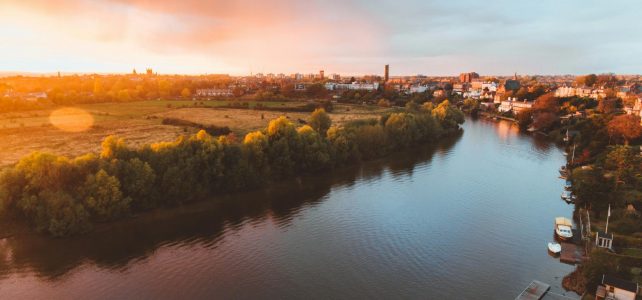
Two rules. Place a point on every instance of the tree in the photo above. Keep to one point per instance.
(282, 138)
(63, 216)
(546, 103)
(624, 162)
(449, 116)
(255, 148)
(103, 198)
(607, 105)
(599, 264)
(588, 80)
(113, 147)
(525, 118)
(312, 151)
(316, 90)
(137, 180)
(186, 93)
(544, 120)
(626, 127)
(320, 121)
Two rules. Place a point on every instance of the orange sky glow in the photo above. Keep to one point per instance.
(177, 36)
(348, 37)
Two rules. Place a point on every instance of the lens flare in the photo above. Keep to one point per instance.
(71, 119)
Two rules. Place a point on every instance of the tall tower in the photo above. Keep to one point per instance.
(321, 74)
(386, 73)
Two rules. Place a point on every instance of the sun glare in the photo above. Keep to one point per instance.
(71, 119)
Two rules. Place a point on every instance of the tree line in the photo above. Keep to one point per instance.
(65, 196)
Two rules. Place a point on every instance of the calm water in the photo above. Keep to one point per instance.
(468, 218)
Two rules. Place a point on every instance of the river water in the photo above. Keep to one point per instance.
(468, 218)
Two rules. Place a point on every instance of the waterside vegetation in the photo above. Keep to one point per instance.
(65, 196)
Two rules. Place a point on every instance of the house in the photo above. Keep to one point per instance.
(418, 88)
(604, 240)
(614, 288)
(214, 93)
(36, 96)
(512, 104)
(439, 93)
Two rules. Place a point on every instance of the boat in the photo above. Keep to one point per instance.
(554, 247)
(568, 186)
(568, 196)
(563, 228)
(563, 171)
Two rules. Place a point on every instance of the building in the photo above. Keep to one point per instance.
(35, 96)
(604, 240)
(418, 88)
(565, 91)
(332, 86)
(489, 86)
(321, 75)
(214, 93)
(468, 77)
(513, 105)
(439, 93)
(299, 87)
(512, 85)
(614, 288)
(386, 73)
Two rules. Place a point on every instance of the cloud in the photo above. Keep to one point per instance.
(352, 36)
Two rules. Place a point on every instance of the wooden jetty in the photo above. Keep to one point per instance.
(534, 291)
(570, 254)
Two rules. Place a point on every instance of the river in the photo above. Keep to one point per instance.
(468, 218)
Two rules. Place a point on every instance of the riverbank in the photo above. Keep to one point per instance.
(603, 179)
(70, 196)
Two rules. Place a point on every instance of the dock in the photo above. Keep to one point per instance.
(534, 291)
(570, 254)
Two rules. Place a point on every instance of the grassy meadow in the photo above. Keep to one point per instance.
(139, 123)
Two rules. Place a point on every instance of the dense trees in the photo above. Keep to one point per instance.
(545, 111)
(587, 80)
(626, 127)
(64, 196)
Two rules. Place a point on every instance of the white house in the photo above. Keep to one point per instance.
(491, 86)
(614, 288)
(213, 93)
(418, 88)
(332, 86)
(512, 104)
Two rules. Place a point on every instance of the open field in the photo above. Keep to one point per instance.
(140, 123)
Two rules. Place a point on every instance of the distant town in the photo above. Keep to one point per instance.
(505, 94)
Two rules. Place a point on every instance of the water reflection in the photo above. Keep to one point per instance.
(116, 246)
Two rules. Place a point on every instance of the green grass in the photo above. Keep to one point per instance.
(632, 252)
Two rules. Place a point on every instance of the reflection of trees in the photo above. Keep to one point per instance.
(115, 245)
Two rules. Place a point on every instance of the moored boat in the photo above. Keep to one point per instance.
(563, 228)
(568, 196)
(554, 247)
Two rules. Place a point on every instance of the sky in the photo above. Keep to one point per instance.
(349, 37)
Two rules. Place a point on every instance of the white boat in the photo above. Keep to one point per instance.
(554, 247)
(568, 186)
(568, 196)
(563, 228)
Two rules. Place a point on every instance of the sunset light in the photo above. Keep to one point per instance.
(321, 149)
(71, 119)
